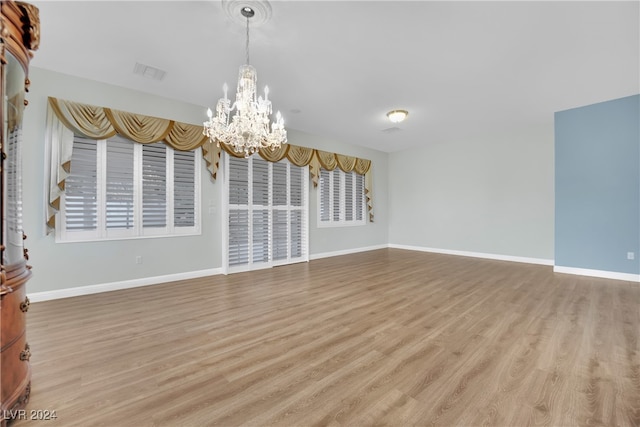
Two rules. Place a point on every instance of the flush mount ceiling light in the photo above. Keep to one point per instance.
(396, 116)
(248, 130)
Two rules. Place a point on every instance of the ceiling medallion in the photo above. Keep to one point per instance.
(261, 10)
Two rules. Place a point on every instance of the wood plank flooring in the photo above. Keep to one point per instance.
(387, 337)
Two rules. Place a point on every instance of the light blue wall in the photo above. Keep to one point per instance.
(597, 187)
(67, 265)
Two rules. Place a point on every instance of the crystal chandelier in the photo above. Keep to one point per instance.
(248, 130)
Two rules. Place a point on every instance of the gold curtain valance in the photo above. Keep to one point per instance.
(300, 156)
(102, 123)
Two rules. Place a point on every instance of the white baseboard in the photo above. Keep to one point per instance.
(526, 260)
(347, 251)
(125, 284)
(148, 281)
(597, 273)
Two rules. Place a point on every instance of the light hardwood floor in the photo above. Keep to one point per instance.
(384, 337)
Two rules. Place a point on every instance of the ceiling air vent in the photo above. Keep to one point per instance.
(149, 72)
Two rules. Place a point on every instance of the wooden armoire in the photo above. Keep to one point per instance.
(19, 36)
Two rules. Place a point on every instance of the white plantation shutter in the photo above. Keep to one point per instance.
(238, 212)
(348, 196)
(324, 193)
(267, 208)
(297, 236)
(341, 199)
(335, 199)
(184, 189)
(280, 226)
(261, 236)
(154, 185)
(359, 198)
(238, 182)
(296, 187)
(260, 182)
(260, 212)
(119, 184)
(279, 183)
(120, 189)
(298, 213)
(81, 187)
(238, 236)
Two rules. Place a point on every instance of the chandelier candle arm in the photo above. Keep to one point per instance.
(249, 129)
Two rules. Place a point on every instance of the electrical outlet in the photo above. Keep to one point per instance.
(631, 255)
(138, 259)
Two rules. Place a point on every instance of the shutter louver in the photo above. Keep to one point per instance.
(238, 181)
(81, 187)
(296, 196)
(348, 196)
(184, 197)
(279, 186)
(359, 198)
(238, 237)
(154, 185)
(296, 235)
(335, 186)
(119, 185)
(260, 182)
(325, 195)
(280, 238)
(260, 236)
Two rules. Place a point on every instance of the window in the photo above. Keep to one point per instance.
(267, 213)
(341, 199)
(121, 189)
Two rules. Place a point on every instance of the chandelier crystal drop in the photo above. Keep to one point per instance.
(249, 129)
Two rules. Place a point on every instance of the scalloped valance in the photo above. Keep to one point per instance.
(301, 156)
(66, 118)
(103, 123)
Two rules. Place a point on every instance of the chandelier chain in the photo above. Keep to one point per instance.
(247, 44)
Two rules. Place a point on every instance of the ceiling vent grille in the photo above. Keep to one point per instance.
(149, 72)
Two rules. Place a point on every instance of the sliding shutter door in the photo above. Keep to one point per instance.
(260, 211)
(298, 214)
(267, 210)
(238, 215)
(280, 244)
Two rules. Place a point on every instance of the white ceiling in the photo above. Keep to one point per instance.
(335, 68)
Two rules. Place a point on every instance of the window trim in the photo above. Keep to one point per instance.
(62, 235)
(342, 222)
